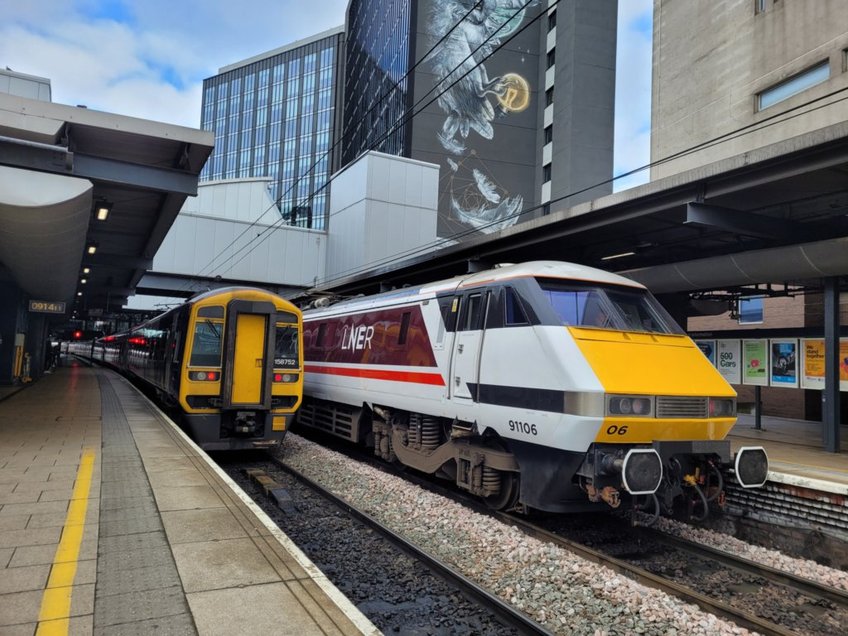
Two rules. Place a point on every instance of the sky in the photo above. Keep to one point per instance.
(148, 58)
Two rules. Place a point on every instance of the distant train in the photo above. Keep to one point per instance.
(544, 385)
(230, 359)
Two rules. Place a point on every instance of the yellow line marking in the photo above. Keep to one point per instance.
(54, 617)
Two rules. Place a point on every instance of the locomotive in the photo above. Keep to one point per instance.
(538, 386)
(229, 359)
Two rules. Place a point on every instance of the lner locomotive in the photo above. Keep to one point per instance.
(543, 385)
(229, 359)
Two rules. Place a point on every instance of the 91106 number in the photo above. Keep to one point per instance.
(523, 427)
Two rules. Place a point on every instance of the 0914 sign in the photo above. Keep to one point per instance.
(46, 307)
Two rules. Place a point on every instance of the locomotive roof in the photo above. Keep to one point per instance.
(541, 269)
(549, 269)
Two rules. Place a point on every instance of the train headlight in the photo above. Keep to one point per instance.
(722, 407)
(204, 376)
(285, 377)
(630, 405)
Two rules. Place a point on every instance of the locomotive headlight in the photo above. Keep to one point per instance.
(630, 405)
(722, 407)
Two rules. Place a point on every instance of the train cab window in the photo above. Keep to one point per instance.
(618, 308)
(211, 312)
(285, 347)
(206, 344)
(514, 313)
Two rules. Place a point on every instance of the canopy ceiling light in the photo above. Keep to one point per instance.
(102, 208)
(92, 248)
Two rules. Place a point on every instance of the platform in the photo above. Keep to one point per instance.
(112, 521)
(795, 452)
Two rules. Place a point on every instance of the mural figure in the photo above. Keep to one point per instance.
(476, 199)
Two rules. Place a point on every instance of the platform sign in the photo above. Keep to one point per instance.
(813, 369)
(46, 307)
(708, 348)
(729, 360)
(783, 362)
(755, 362)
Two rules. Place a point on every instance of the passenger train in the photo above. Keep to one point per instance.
(230, 359)
(538, 386)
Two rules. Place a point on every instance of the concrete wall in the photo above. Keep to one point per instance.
(381, 207)
(712, 59)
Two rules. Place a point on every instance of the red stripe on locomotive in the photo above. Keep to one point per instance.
(415, 377)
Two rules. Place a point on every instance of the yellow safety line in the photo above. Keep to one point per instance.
(54, 617)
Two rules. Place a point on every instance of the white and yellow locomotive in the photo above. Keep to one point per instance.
(542, 385)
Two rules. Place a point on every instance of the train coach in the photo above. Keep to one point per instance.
(230, 360)
(544, 385)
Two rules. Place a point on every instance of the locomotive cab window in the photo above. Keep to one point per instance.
(206, 344)
(608, 307)
(285, 347)
(513, 309)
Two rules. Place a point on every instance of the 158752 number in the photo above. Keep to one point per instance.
(523, 427)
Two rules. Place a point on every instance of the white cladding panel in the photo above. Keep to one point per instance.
(210, 226)
(395, 198)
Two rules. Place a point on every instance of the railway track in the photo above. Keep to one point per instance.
(508, 619)
(821, 598)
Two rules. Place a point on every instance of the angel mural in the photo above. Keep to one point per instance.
(472, 100)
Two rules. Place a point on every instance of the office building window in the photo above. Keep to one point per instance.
(551, 57)
(546, 173)
(549, 96)
(549, 134)
(794, 85)
(551, 20)
(759, 6)
(750, 311)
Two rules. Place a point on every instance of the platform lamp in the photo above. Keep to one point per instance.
(102, 208)
(91, 248)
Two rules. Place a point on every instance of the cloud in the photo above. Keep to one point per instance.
(148, 59)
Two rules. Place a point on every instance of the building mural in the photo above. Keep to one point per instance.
(473, 101)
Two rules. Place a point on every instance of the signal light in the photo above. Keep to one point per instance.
(78, 335)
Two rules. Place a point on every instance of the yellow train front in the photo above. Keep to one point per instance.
(231, 359)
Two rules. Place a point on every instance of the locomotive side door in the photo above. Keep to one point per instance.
(467, 345)
(249, 348)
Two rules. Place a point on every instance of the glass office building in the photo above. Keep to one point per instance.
(377, 94)
(274, 115)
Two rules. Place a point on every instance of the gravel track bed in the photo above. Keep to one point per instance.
(565, 593)
(395, 591)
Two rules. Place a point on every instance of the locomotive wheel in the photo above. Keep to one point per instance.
(508, 496)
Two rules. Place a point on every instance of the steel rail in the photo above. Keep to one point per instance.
(806, 586)
(506, 612)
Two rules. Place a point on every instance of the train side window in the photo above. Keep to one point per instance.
(469, 317)
(206, 345)
(404, 327)
(514, 313)
(322, 333)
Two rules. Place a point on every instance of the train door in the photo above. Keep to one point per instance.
(467, 345)
(249, 347)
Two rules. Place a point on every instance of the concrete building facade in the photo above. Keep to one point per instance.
(513, 101)
(732, 76)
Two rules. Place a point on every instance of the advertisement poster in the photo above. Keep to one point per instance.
(813, 376)
(755, 362)
(784, 363)
(730, 360)
(708, 348)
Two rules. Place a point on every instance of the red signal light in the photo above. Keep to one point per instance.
(78, 335)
